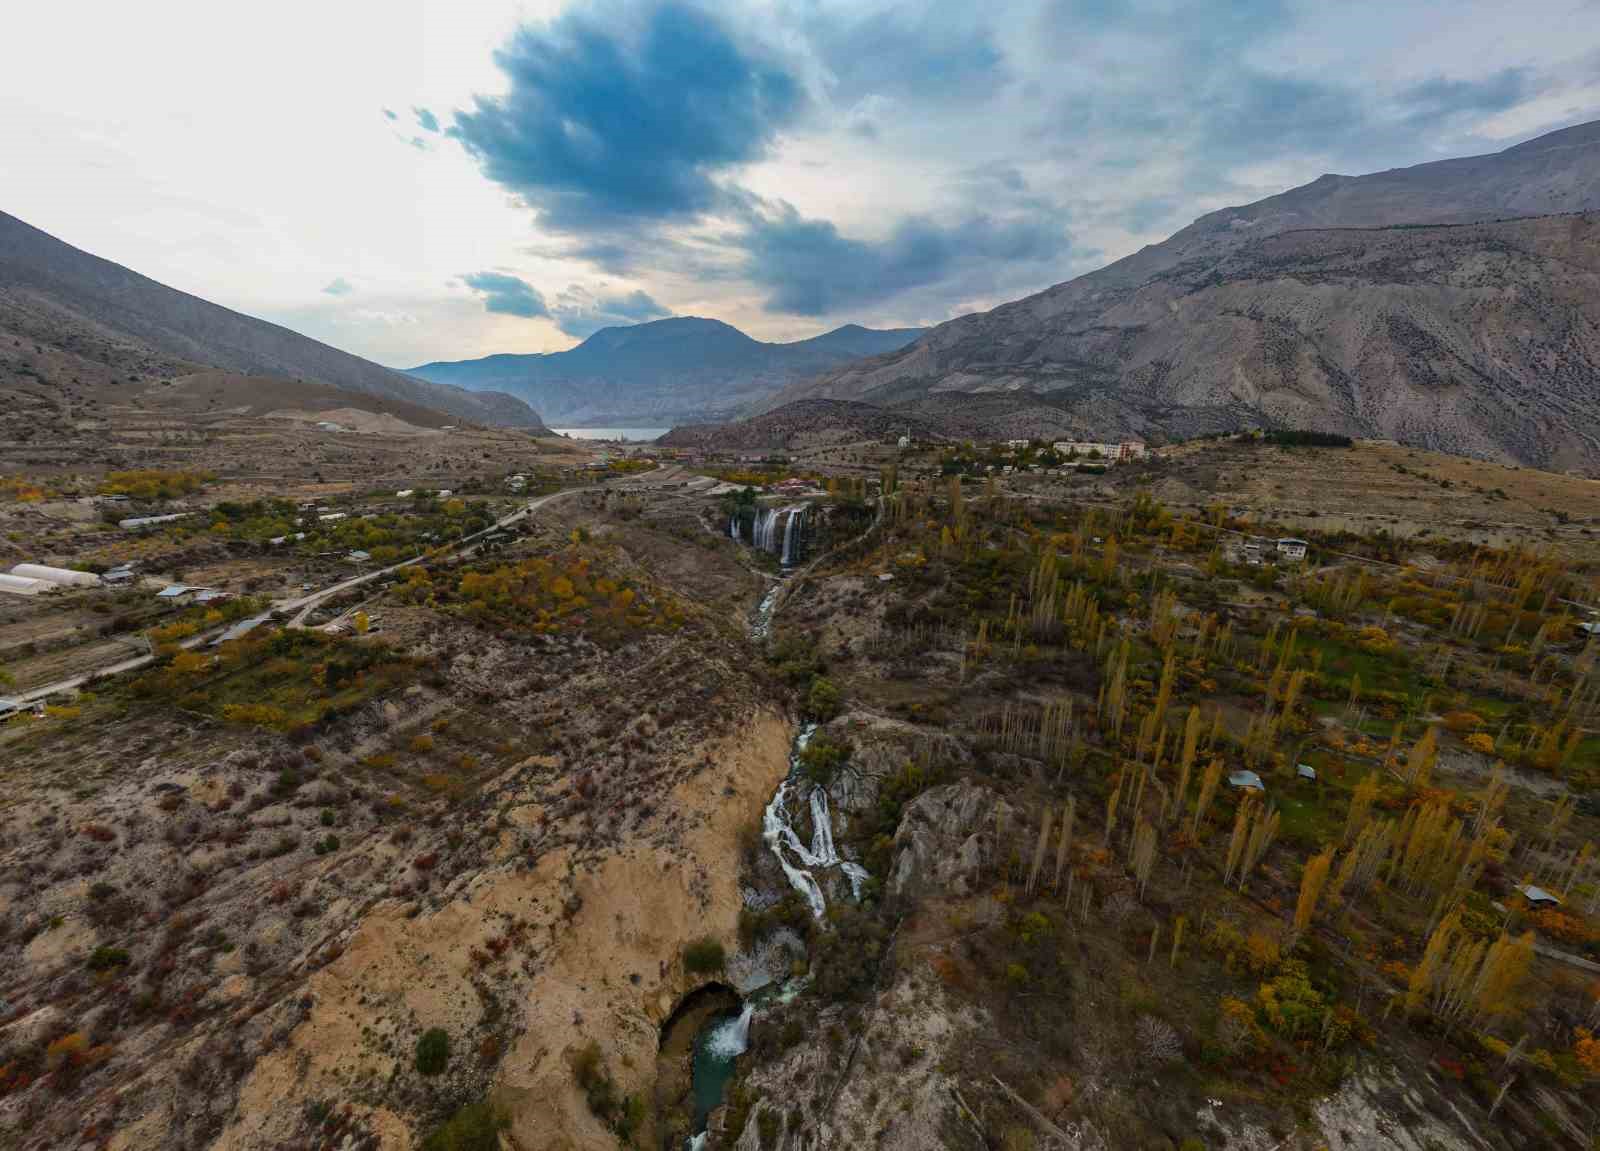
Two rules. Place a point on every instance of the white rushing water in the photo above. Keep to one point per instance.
(732, 1038)
(800, 862)
(791, 533)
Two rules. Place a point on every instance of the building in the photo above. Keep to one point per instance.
(405, 493)
(331, 517)
(178, 593)
(1538, 896)
(358, 557)
(1292, 549)
(1247, 780)
(1125, 450)
(64, 577)
(121, 574)
(207, 595)
(22, 585)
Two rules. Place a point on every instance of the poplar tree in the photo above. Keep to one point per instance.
(1360, 807)
(1208, 789)
(1038, 851)
(1065, 843)
(1312, 881)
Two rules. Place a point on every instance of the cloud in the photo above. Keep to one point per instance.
(579, 313)
(388, 114)
(610, 120)
(940, 51)
(1440, 99)
(426, 119)
(809, 268)
(507, 295)
(339, 287)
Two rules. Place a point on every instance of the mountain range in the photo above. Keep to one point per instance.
(82, 319)
(1453, 305)
(684, 369)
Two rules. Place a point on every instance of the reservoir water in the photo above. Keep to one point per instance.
(632, 435)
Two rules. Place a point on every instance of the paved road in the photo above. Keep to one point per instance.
(302, 606)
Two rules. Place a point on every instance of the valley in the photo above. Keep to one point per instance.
(832, 801)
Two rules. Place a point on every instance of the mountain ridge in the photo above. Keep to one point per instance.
(680, 369)
(1233, 313)
(41, 273)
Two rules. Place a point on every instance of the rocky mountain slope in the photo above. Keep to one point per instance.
(84, 315)
(685, 369)
(1325, 306)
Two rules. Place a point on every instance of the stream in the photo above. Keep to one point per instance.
(726, 1036)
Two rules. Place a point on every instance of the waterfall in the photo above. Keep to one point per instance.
(791, 534)
(764, 530)
(777, 829)
(733, 526)
(731, 1039)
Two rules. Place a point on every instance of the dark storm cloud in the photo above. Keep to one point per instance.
(507, 295)
(628, 126)
(611, 120)
(808, 268)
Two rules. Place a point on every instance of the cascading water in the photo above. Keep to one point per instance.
(733, 526)
(792, 534)
(764, 530)
(777, 828)
(732, 1038)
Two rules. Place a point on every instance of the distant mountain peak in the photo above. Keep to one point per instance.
(674, 370)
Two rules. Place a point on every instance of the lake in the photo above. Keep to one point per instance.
(633, 435)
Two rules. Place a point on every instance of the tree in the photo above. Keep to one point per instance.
(1312, 880)
(1143, 855)
(1360, 807)
(433, 1051)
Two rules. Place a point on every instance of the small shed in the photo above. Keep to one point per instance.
(358, 557)
(1248, 780)
(178, 593)
(1306, 771)
(1538, 896)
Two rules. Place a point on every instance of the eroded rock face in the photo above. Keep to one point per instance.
(879, 748)
(884, 1088)
(938, 849)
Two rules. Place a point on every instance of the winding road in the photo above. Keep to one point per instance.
(299, 607)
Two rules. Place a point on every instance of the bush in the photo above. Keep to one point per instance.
(704, 956)
(108, 958)
(433, 1051)
(822, 701)
(476, 1127)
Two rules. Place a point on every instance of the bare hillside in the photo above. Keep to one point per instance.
(1322, 307)
(87, 318)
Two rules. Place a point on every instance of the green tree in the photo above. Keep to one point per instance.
(433, 1051)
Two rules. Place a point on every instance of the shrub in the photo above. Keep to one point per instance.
(704, 956)
(433, 1051)
(476, 1127)
(108, 958)
(822, 701)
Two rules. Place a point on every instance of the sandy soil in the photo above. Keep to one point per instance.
(600, 928)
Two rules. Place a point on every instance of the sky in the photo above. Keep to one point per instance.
(416, 180)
